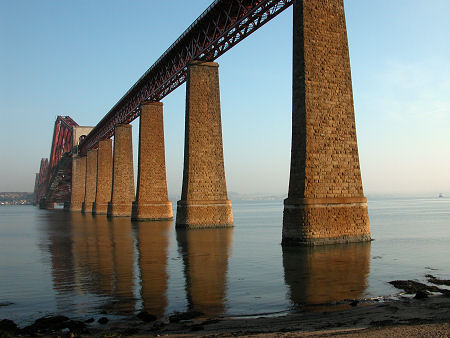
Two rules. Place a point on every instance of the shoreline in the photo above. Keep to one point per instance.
(395, 313)
(430, 316)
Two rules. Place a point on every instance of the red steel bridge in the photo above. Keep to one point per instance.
(53, 182)
(220, 27)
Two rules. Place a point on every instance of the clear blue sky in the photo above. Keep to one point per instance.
(78, 58)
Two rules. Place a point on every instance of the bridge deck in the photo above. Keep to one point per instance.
(220, 27)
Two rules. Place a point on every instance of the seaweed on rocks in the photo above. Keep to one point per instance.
(179, 316)
(146, 317)
(421, 294)
(103, 320)
(411, 286)
(420, 289)
(437, 281)
(6, 303)
(52, 324)
(8, 328)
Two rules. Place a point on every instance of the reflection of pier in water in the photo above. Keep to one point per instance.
(318, 275)
(103, 264)
(57, 241)
(205, 256)
(104, 257)
(91, 256)
(153, 242)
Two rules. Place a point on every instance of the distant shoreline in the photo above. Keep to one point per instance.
(16, 198)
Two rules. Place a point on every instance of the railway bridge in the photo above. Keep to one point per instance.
(325, 204)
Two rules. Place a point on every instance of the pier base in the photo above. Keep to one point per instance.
(204, 200)
(91, 181)
(104, 178)
(78, 183)
(123, 178)
(319, 222)
(43, 204)
(326, 203)
(152, 201)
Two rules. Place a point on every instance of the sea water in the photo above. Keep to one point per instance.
(81, 266)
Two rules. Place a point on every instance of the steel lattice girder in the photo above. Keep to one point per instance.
(60, 181)
(42, 179)
(62, 139)
(62, 143)
(221, 26)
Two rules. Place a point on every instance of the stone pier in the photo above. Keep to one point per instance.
(43, 204)
(152, 201)
(325, 203)
(91, 181)
(104, 178)
(204, 200)
(122, 195)
(78, 183)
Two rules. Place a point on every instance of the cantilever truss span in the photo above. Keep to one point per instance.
(221, 26)
(53, 181)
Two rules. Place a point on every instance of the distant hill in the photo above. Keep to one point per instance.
(16, 198)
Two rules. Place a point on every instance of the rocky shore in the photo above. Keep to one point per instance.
(422, 310)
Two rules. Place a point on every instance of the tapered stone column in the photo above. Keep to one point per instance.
(104, 178)
(78, 183)
(204, 200)
(122, 195)
(152, 201)
(325, 203)
(91, 181)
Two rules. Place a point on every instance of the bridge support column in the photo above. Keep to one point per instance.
(78, 183)
(325, 203)
(91, 181)
(204, 200)
(122, 195)
(104, 178)
(152, 201)
(43, 204)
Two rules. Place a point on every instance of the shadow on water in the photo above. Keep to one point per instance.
(205, 256)
(326, 274)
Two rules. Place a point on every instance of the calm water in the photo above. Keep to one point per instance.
(80, 266)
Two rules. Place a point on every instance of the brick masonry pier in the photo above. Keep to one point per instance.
(123, 177)
(91, 181)
(204, 200)
(325, 203)
(78, 183)
(104, 178)
(152, 201)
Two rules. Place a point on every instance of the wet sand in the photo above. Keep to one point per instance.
(403, 317)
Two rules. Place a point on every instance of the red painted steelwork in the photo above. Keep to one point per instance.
(42, 179)
(62, 143)
(221, 26)
(62, 139)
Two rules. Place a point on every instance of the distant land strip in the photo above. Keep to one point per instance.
(16, 198)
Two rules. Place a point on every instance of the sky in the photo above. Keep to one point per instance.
(78, 58)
